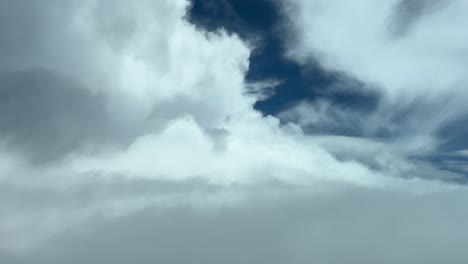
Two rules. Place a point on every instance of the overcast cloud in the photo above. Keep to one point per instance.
(127, 135)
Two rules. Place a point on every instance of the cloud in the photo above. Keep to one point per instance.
(420, 73)
(407, 13)
(46, 115)
(263, 90)
(122, 118)
(323, 117)
(294, 226)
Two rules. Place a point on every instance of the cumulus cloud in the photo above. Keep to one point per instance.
(128, 135)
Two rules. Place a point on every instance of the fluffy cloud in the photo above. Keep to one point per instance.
(127, 136)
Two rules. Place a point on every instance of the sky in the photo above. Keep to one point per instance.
(233, 131)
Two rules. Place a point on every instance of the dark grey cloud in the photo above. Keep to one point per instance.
(454, 134)
(29, 29)
(47, 115)
(46, 112)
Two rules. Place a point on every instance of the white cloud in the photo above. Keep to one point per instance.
(323, 116)
(411, 51)
(195, 146)
(263, 90)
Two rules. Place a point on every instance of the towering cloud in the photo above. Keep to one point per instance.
(129, 135)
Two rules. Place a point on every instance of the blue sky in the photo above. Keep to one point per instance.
(230, 131)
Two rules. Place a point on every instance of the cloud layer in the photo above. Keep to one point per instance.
(128, 135)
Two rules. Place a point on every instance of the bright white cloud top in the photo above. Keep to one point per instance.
(128, 137)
